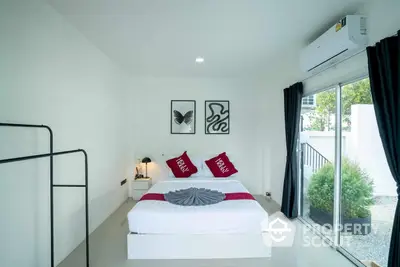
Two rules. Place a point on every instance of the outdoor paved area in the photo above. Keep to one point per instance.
(374, 246)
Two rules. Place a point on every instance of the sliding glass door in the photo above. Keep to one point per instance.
(347, 191)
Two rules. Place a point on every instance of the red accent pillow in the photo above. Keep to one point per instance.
(221, 166)
(181, 166)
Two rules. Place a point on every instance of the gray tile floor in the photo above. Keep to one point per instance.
(108, 249)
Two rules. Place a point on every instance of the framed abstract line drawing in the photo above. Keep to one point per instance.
(183, 116)
(217, 117)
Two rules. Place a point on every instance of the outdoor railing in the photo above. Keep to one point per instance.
(312, 158)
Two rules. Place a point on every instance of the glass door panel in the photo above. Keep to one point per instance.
(316, 160)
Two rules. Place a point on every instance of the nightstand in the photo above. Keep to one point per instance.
(140, 187)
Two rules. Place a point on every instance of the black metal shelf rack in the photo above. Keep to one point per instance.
(51, 155)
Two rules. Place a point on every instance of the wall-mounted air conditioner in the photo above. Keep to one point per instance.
(344, 39)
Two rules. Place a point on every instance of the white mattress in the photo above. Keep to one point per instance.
(230, 216)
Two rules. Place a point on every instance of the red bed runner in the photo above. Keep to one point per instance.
(228, 196)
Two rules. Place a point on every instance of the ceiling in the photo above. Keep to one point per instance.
(236, 37)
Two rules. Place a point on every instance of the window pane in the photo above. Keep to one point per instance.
(317, 140)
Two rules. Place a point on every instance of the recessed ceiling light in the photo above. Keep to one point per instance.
(199, 60)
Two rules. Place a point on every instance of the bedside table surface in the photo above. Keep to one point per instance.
(142, 180)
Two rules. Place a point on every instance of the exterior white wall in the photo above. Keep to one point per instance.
(363, 145)
(368, 151)
(50, 74)
(324, 142)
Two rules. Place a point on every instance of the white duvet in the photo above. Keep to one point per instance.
(230, 216)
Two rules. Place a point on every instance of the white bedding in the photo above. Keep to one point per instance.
(231, 216)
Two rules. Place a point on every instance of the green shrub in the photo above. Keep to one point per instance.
(356, 194)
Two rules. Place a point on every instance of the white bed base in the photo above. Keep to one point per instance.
(200, 246)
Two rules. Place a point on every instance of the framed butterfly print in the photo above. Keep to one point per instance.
(217, 115)
(183, 117)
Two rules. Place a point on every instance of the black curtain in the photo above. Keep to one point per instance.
(293, 96)
(384, 74)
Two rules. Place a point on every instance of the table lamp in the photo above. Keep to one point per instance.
(146, 160)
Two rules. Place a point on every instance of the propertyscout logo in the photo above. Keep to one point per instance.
(281, 231)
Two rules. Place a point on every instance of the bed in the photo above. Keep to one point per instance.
(228, 229)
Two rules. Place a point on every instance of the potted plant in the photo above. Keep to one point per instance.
(356, 197)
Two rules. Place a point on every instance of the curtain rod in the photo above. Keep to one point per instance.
(334, 65)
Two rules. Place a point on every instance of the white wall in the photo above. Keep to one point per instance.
(255, 122)
(50, 74)
(273, 128)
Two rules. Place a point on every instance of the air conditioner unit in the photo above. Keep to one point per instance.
(344, 39)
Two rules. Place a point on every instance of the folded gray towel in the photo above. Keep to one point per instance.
(194, 197)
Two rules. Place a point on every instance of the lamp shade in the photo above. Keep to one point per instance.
(146, 160)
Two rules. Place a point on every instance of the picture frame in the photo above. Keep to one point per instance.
(217, 117)
(183, 117)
